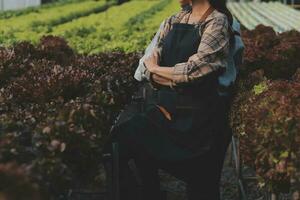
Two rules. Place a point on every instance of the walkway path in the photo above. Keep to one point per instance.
(281, 17)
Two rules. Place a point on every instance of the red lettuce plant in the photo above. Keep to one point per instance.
(15, 61)
(257, 43)
(56, 49)
(274, 53)
(265, 111)
(267, 122)
(16, 184)
(55, 113)
(47, 81)
(282, 59)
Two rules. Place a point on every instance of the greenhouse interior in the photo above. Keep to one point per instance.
(77, 75)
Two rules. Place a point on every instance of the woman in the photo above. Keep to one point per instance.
(179, 128)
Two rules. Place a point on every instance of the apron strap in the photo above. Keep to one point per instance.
(204, 16)
(207, 12)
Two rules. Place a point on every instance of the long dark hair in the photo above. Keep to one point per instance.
(220, 5)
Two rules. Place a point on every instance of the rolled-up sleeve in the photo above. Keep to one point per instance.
(142, 72)
(211, 54)
(158, 43)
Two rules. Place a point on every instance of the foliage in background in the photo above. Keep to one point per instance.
(15, 183)
(104, 32)
(34, 25)
(268, 125)
(274, 53)
(128, 27)
(56, 103)
(55, 114)
(138, 31)
(265, 114)
(14, 13)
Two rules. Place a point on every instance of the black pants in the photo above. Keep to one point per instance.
(201, 174)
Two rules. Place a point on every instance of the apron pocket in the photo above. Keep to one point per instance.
(168, 99)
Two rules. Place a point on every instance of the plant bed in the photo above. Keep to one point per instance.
(55, 113)
(265, 115)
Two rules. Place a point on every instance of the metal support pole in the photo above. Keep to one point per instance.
(116, 186)
(107, 161)
(238, 168)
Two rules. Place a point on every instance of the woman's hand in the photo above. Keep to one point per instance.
(152, 62)
(163, 75)
(161, 80)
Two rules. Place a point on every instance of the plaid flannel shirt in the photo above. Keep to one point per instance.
(212, 51)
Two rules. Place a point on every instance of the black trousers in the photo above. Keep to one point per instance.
(201, 174)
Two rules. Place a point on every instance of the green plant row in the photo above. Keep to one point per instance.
(14, 13)
(95, 33)
(136, 21)
(129, 34)
(138, 36)
(128, 27)
(33, 25)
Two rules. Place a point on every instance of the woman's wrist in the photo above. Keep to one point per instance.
(166, 72)
(154, 68)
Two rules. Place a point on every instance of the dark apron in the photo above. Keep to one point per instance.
(193, 107)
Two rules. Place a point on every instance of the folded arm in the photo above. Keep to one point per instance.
(141, 71)
(211, 55)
